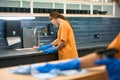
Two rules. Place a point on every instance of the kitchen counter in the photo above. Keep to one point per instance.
(83, 46)
(12, 57)
(10, 53)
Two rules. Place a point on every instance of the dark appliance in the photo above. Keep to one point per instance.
(13, 28)
(50, 29)
(13, 33)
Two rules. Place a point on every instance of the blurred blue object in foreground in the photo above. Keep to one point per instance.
(73, 64)
(48, 70)
(112, 66)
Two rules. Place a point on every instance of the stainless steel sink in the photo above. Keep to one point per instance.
(28, 50)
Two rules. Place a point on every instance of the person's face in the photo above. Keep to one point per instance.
(53, 21)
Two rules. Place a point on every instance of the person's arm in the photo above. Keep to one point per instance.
(88, 60)
(55, 42)
(60, 45)
(115, 43)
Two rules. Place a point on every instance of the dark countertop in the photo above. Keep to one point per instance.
(10, 53)
(13, 57)
(83, 46)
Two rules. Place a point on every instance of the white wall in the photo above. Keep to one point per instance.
(9, 4)
(117, 11)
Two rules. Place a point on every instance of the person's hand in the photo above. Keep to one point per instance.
(50, 50)
(112, 66)
(44, 47)
(35, 48)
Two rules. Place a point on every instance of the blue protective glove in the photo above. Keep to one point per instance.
(112, 66)
(44, 47)
(50, 50)
(73, 64)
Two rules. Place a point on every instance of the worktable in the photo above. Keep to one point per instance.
(95, 73)
(12, 58)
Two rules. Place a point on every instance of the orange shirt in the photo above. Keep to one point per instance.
(116, 44)
(65, 33)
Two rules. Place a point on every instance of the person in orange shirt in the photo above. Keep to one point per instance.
(116, 44)
(65, 43)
